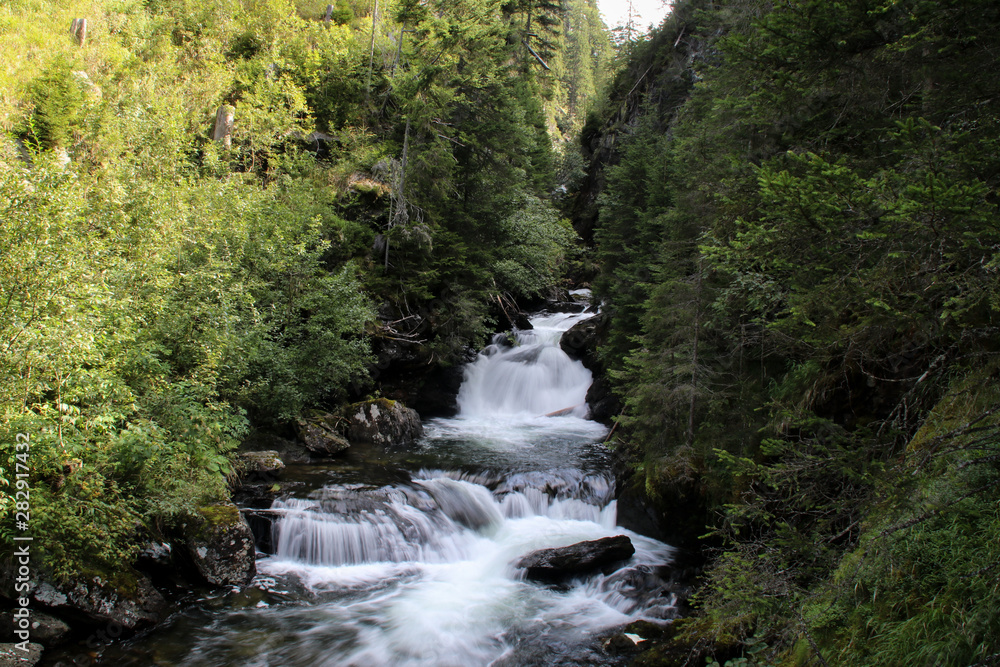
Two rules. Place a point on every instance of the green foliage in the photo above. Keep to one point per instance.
(921, 583)
(58, 98)
(800, 257)
(536, 242)
(162, 292)
(342, 12)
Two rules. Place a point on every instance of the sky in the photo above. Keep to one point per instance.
(614, 12)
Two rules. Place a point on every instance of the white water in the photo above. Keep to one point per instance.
(432, 566)
(448, 541)
(420, 573)
(529, 376)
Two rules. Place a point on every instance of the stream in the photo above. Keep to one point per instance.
(407, 558)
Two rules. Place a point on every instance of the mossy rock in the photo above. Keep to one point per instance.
(266, 462)
(221, 545)
(320, 431)
(382, 422)
(125, 597)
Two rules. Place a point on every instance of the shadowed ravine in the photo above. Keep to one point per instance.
(421, 571)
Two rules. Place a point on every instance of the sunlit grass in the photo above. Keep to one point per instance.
(34, 32)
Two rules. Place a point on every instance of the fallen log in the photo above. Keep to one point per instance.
(564, 411)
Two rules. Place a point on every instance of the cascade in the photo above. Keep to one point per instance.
(527, 374)
(420, 571)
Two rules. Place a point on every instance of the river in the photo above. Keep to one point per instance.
(407, 558)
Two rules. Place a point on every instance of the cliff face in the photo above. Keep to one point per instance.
(656, 82)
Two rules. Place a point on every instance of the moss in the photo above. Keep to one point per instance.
(969, 398)
(215, 516)
(384, 403)
(123, 581)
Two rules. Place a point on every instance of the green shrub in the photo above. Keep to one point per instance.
(58, 102)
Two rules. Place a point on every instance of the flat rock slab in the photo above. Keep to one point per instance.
(12, 656)
(579, 558)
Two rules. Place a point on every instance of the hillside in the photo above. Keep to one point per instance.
(218, 216)
(794, 208)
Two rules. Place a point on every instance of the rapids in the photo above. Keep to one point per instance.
(416, 568)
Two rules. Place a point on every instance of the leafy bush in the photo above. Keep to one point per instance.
(58, 103)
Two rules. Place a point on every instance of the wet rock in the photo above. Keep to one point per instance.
(579, 558)
(156, 554)
(45, 629)
(582, 340)
(565, 306)
(622, 643)
(251, 464)
(222, 546)
(12, 656)
(604, 403)
(383, 422)
(256, 480)
(318, 430)
(130, 601)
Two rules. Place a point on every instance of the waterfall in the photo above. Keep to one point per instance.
(526, 374)
(438, 518)
(420, 571)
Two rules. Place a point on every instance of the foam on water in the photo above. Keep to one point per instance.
(421, 573)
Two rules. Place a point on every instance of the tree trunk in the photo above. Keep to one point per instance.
(371, 54)
(224, 125)
(399, 51)
(399, 214)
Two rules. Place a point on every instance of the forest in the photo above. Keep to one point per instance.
(216, 217)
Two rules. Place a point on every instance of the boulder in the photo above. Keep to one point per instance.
(45, 629)
(603, 402)
(258, 464)
(318, 430)
(565, 306)
(156, 554)
(12, 656)
(222, 546)
(130, 601)
(579, 558)
(383, 422)
(521, 322)
(582, 339)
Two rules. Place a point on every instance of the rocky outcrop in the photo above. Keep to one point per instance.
(318, 430)
(581, 342)
(222, 546)
(131, 602)
(664, 72)
(44, 629)
(603, 401)
(383, 422)
(582, 339)
(12, 656)
(579, 558)
(255, 464)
